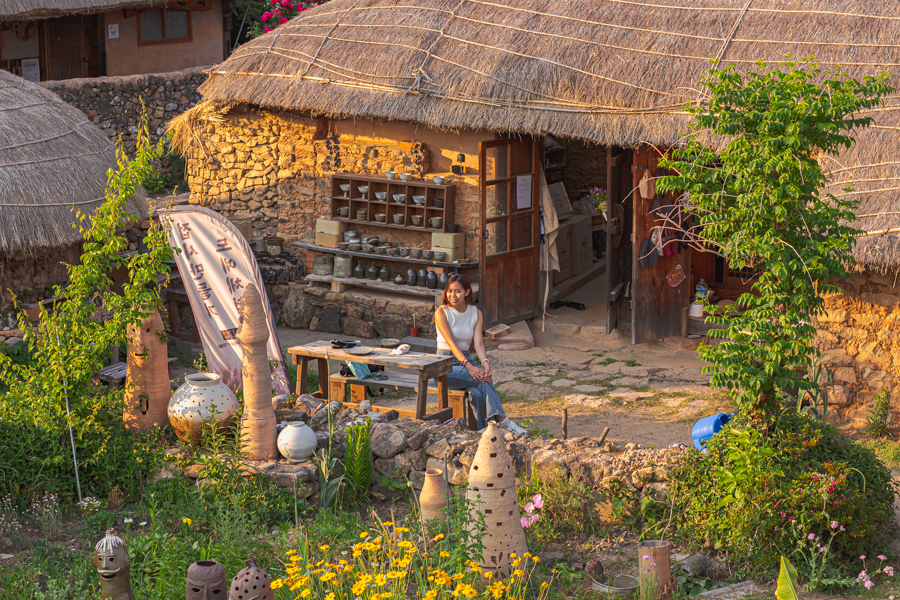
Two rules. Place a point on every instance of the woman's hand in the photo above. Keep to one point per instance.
(477, 373)
(486, 367)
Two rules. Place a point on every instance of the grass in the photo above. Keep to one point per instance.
(888, 451)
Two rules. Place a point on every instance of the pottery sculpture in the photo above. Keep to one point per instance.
(202, 400)
(114, 567)
(258, 436)
(251, 583)
(431, 280)
(206, 581)
(492, 492)
(297, 442)
(433, 497)
(147, 389)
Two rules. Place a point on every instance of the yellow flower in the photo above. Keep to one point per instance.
(380, 580)
(439, 537)
(516, 562)
(518, 573)
(430, 595)
(512, 554)
(536, 559)
(488, 574)
(402, 530)
(329, 596)
(545, 585)
(276, 584)
(305, 593)
(528, 555)
(327, 577)
(324, 547)
(388, 523)
(290, 552)
(445, 554)
(476, 568)
(363, 535)
(186, 521)
(396, 574)
(358, 588)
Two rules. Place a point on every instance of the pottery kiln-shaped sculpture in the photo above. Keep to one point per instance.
(114, 567)
(492, 491)
(258, 434)
(251, 583)
(433, 497)
(201, 401)
(147, 389)
(206, 581)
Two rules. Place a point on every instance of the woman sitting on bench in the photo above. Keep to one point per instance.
(459, 323)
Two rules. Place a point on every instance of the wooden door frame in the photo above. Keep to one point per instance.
(532, 251)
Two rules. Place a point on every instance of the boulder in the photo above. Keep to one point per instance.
(386, 440)
(393, 468)
(439, 449)
(358, 328)
(418, 439)
(392, 326)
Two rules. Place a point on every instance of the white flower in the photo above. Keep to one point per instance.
(142, 523)
(129, 521)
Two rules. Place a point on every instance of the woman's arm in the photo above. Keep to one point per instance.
(440, 320)
(478, 342)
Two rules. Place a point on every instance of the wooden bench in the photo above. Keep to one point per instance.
(458, 399)
(115, 374)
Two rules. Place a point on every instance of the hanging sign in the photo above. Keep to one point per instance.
(523, 191)
(216, 264)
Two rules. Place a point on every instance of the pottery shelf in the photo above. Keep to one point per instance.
(354, 200)
(340, 284)
(387, 257)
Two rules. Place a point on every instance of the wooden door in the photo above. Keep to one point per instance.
(510, 230)
(65, 41)
(619, 225)
(659, 310)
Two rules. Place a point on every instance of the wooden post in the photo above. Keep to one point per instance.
(565, 424)
(258, 434)
(654, 561)
(603, 436)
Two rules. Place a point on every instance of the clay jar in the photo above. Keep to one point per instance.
(433, 497)
(251, 583)
(411, 277)
(297, 442)
(206, 581)
(202, 399)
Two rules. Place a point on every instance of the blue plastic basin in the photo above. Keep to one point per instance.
(707, 427)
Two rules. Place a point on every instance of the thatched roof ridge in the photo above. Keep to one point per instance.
(52, 158)
(607, 71)
(22, 10)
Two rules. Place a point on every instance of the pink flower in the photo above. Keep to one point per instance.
(834, 524)
(538, 501)
(889, 571)
(811, 536)
(529, 508)
(645, 557)
(882, 557)
(869, 585)
(282, 21)
(652, 564)
(863, 557)
(783, 514)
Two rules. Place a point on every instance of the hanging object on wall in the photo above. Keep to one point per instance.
(216, 265)
(251, 583)
(676, 276)
(648, 256)
(206, 581)
(114, 567)
(258, 434)
(147, 389)
(647, 186)
(492, 492)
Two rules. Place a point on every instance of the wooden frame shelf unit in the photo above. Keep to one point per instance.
(356, 200)
(381, 257)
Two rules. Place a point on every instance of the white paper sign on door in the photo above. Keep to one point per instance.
(523, 191)
(31, 69)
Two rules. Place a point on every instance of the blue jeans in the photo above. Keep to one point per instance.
(484, 396)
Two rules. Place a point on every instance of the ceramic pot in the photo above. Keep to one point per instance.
(343, 266)
(323, 264)
(411, 277)
(206, 581)
(442, 282)
(203, 399)
(297, 442)
(399, 280)
(372, 272)
(251, 582)
(259, 243)
(431, 280)
(384, 274)
(423, 277)
(359, 272)
(433, 497)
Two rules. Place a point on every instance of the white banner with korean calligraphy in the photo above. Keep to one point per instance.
(216, 263)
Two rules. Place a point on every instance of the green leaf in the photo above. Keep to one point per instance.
(787, 582)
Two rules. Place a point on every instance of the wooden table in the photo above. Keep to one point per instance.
(426, 366)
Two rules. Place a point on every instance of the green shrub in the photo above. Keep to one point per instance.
(569, 505)
(877, 422)
(752, 493)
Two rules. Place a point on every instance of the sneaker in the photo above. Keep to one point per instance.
(509, 425)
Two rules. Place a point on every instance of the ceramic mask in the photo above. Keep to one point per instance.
(206, 581)
(114, 567)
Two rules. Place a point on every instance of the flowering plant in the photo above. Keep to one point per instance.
(866, 579)
(284, 10)
(531, 517)
(598, 196)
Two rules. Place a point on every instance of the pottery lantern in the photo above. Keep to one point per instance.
(201, 401)
(114, 567)
(251, 583)
(206, 581)
(147, 389)
(492, 492)
(258, 434)
(433, 497)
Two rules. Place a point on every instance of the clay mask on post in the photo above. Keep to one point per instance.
(206, 581)
(114, 567)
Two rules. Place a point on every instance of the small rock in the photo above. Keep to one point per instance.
(393, 468)
(309, 402)
(391, 415)
(417, 439)
(387, 440)
(588, 389)
(563, 383)
(364, 407)
(194, 471)
(539, 379)
(10, 556)
(439, 449)
(281, 402)
(695, 565)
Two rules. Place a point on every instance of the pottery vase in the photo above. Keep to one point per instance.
(251, 582)
(411, 277)
(384, 274)
(202, 400)
(423, 277)
(359, 272)
(297, 442)
(431, 280)
(442, 282)
(372, 272)
(433, 497)
(206, 581)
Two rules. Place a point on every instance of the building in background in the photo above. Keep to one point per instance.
(45, 40)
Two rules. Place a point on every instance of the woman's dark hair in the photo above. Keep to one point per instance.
(466, 286)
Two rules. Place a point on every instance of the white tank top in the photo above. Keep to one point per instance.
(462, 326)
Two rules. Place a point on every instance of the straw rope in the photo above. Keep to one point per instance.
(49, 204)
(420, 72)
(731, 33)
(325, 38)
(756, 10)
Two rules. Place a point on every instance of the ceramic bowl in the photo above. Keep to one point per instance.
(440, 255)
(404, 176)
(345, 187)
(381, 196)
(404, 251)
(394, 251)
(428, 255)
(399, 198)
(380, 217)
(399, 280)
(452, 227)
(343, 245)
(416, 219)
(438, 179)
(350, 234)
(436, 222)
(390, 174)
(371, 241)
(398, 219)
(439, 203)
(379, 250)
(355, 247)
(420, 200)
(344, 211)
(363, 189)
(416, 253)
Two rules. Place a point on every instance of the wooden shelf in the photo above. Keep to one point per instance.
(340, 285)
(354, 201)
(373, 256)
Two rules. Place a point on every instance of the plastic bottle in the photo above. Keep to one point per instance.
(701, 290)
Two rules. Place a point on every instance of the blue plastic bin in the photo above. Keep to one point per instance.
(707, 427)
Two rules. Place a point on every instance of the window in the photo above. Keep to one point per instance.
(163, 26)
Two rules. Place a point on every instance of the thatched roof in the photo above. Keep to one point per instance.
(52, 159)
(22, 10)
(608, 71)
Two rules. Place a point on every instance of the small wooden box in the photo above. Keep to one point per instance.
(328, 240)
(329, 226)
(497, 331)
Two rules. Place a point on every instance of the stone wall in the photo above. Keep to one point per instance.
(114, 103)
(860, 341)
(585, 167)
(33, 273)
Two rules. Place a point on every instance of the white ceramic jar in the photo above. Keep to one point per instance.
(202, 399)
(297, 442)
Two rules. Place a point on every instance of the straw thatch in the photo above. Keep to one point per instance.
(52, 160)
(22, 10)
(608, 71)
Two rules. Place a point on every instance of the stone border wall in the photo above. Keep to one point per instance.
(114, 103)
(35, 271)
